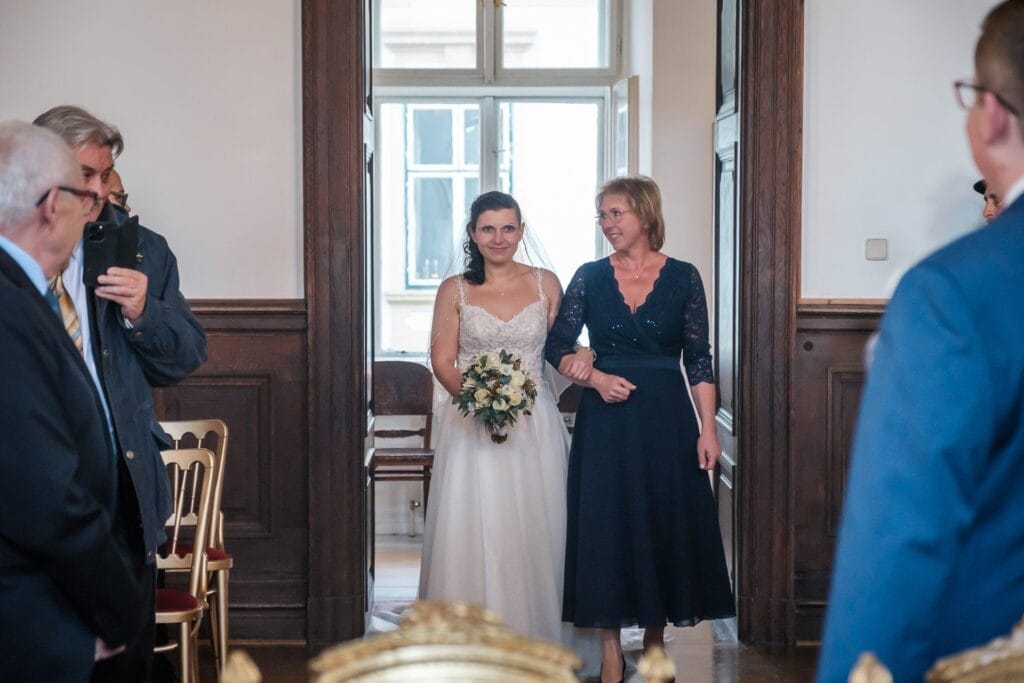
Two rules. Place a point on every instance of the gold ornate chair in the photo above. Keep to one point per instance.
(447, 642)
(211, 434)
(192, 478)
(403, 388)
(998, 661)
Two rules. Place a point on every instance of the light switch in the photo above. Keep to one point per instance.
(876, 249)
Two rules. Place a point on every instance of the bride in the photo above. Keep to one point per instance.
(495, 528)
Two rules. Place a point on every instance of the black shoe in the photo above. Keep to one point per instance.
(621, 680)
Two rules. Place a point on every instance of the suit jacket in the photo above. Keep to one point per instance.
(166, 345)
(931, 549)
(62, 578)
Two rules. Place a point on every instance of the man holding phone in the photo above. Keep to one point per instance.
(135, 331)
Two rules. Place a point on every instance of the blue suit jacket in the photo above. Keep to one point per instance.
(931, 549)
(62, 577)
(165, 347)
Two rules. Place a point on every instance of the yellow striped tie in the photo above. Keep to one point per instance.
(67, 311)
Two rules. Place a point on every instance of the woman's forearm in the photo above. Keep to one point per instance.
(704, 398)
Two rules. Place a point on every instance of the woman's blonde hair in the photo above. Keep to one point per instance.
(644, 199)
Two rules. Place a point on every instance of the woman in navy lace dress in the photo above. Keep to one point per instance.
(643, 545)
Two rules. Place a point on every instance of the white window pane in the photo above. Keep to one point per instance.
(553, 170)
(430, 237)
(432, 136)
(426, 34)
(555, 34)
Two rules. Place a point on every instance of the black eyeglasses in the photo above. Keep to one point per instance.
(120, 198)
(88, 197)
(967, 96)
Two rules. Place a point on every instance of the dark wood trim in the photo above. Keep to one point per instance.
(333, 94)
(250, 315)
(771, 117)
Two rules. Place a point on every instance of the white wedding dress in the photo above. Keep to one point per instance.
(495, 529)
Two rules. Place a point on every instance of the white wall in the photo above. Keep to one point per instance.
(885, 154)
(671, 45)
(208, 98)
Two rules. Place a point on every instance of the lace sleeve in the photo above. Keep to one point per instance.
(567, 326)
(696, 349)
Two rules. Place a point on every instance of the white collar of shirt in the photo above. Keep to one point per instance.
(32, 269)
(1016, 190)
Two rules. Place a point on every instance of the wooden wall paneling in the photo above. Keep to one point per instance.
(255, 380)
(770, 96)
(334, 93)
(828, 376)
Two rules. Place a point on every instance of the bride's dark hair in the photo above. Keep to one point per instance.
(488, 201)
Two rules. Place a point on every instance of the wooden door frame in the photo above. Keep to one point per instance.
(770, 209)
(333, 102)
(771, 111)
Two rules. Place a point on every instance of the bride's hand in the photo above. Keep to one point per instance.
(612, 388)
(580, 365)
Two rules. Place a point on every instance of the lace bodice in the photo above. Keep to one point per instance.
(672, 321)
(524, 335)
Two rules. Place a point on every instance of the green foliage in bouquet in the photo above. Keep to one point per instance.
(496, 391)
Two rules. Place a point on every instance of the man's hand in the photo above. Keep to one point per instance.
(126, 287)
(104, 652)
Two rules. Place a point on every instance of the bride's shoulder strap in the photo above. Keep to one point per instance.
(539, 274)
(462, 291)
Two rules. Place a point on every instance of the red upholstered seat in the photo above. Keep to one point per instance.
(170, 600)
(213, 554)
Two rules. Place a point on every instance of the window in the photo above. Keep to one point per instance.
(528, 118)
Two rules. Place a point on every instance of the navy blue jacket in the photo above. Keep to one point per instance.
(930, 558)
(63, 580)
(163, 348)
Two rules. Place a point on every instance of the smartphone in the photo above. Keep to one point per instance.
(108, 244)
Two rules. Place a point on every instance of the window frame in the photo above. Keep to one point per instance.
(489, 50)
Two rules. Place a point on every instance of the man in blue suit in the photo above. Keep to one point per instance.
(136, 331)
(67, 597)
(930, 558)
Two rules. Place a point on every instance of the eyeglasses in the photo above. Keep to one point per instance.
(615, 215)
(89, 199)
(120, 198)
(967, 96)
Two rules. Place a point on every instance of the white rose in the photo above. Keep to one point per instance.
(493, 361)
(499, 404)
(505, 390)
(515, 397)
(518, 378)
(481, 395)
(506, 369)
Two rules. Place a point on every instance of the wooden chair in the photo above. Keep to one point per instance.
(212, 434)
(446, 642)
(192, 476)
(403, 388)
(568, 403)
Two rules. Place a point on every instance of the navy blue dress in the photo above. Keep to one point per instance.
(642, 543)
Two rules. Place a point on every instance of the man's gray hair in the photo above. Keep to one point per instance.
(32, 160)
(78, 128)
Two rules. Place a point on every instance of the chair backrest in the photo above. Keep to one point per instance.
(446, 642)
(192, 473)
(403, 388)
(213, 435)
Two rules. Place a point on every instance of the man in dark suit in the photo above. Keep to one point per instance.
(67, 597)
(140, 333)
(930, 558)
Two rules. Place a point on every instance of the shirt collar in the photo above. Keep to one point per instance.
(32, 269)
(1015, 191)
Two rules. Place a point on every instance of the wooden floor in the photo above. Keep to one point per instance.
(699, 654)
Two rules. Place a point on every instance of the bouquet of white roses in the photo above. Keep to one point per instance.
(496, 391)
